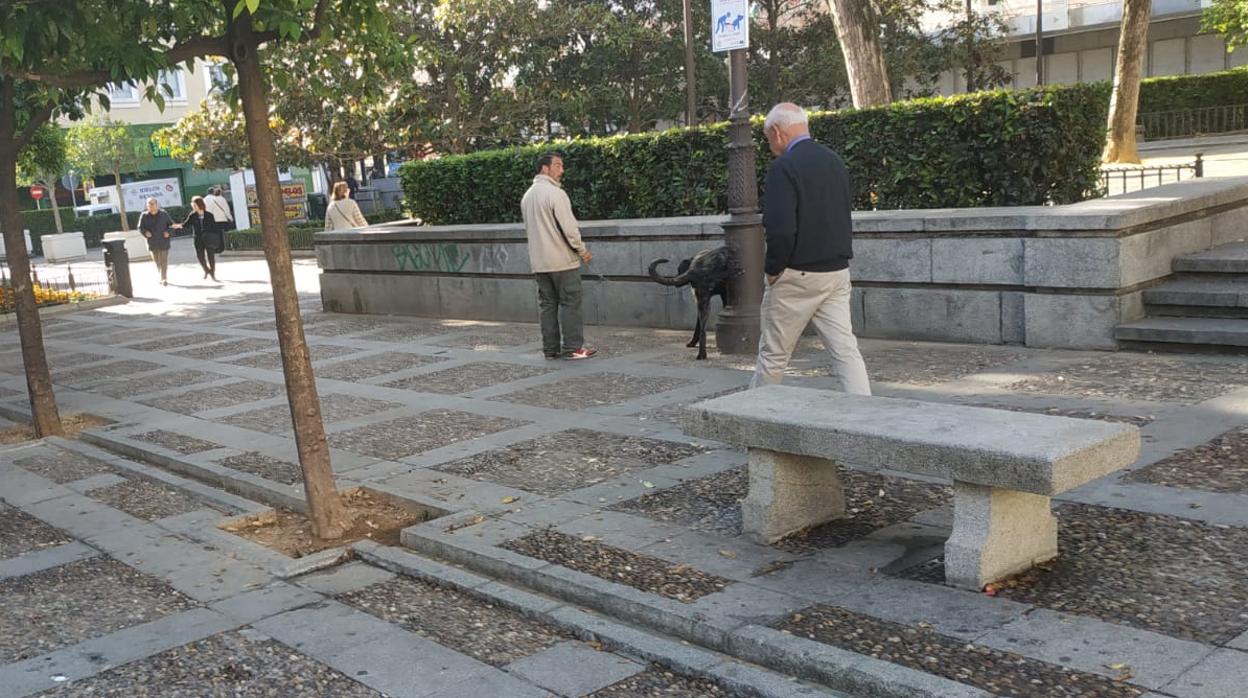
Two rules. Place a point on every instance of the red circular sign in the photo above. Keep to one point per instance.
(36, 192)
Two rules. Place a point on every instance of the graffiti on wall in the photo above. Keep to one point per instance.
(445, 257)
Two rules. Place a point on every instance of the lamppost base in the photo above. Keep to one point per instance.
(739, 325)
(737, 330)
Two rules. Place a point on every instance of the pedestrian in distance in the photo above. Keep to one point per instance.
(343, 213)
(809, 232)
(157, 226)
(217, 205)
(208, 238)
(556, 252)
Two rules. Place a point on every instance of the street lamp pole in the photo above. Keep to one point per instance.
(691, 85)
(738, 328)
(1039, 42)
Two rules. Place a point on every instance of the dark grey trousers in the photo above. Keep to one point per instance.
(559, 298)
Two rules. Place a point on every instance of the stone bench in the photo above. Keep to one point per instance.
(1004, 465)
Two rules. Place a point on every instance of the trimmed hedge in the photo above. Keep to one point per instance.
(93, 228)
(1194, 91)
(1001, 148)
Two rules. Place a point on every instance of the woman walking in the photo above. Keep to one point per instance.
(208, 238)
(343, 213)
(158, 227)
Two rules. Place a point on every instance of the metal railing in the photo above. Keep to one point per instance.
(1187, 123)
(55, 286)
(1128, 179)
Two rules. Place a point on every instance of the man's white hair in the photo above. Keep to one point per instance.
(153, 200)
(784, 115)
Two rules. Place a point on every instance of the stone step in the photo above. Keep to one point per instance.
(1187, 331)
(1231, 293)
(1227, 259)
(1197, 311)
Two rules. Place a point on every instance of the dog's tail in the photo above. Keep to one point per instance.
(678, 280)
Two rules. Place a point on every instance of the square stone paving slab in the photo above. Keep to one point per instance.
(366, 367)
(223, 349)
(407, 436)
(61, 466)
(1221, 465)
(334, 408)
(216, 397)
(932, 364)
(468, 377)
(574, 669)
(569, 460)
(483, 631)
(65, 605)
(186, 445)
(235, 665)
(149, 500)
(1141, 377)
(337, 325)
(494, 338)
(263, 466)
(593, 390)
(125, 388)
(21, 533)
(113, 369)
(673, 413)
(406, 331)
(272, 361)
(173, 342)
(1173, 576)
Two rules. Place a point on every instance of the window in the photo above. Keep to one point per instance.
(124, 93)
(215, 78)
(172, 85)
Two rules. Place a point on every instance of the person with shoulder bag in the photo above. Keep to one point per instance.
(343, 213)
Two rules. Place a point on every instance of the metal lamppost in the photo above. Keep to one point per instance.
(1039, 42)
(737, 330)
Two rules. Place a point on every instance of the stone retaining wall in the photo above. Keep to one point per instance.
(1046, 276)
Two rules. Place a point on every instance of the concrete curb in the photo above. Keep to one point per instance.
(858, 675)
(63, 308)
(676, 656)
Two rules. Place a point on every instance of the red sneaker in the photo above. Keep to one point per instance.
(582, 353)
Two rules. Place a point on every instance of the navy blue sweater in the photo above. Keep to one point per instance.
(806, 211)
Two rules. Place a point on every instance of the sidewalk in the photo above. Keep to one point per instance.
(575, 499)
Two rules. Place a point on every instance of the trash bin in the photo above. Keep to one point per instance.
(117, 262)
(317, 205)
(64, 247)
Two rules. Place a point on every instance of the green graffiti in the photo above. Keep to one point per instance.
(446, 257)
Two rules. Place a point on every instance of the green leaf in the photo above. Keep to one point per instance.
(253, 5)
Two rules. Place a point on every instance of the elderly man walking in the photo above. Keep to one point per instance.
(806, 215)
(555, 254)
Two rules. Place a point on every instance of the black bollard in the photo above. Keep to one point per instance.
(117, 262)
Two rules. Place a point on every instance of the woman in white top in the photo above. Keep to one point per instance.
(343, 213)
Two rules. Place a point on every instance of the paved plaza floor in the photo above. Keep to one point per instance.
(585, 545)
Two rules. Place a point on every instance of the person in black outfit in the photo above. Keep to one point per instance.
(208, 237)
(806, 215)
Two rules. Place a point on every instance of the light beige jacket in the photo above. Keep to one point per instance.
(554, 237)
(344, 214)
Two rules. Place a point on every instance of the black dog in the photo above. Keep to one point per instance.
(708, 273)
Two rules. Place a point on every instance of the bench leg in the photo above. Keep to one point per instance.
(997, 533)
(789, 493)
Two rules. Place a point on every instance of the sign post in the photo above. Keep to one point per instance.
(36, 193)
(738, 327)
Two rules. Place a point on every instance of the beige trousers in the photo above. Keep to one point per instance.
(161, 257)
(795, 300)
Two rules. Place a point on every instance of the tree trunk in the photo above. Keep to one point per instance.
(329, 516)
(1120, 145)
(45, 417)
(121, 201)
(56, 207)
(857, 29)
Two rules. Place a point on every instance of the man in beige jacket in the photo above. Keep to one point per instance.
(555, 254)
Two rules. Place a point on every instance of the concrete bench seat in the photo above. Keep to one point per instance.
(1004, 465)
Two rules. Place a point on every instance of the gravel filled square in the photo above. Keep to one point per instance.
(8, 392)
(122, 389)
(932, 364)
(1220, 465)
(74, 359)
(114, 369)
(263, 466)
(649, 574)
(485, 632)
(611, 343)
(493, 338)
(65, 605)
(179, 340)
(713, 505)
(469, 377)
(372, 366)
(673, 413)
(568, 460)
(338, 325)
(657, 682)
(230, 665)
(334, 408)
(405, 332)
(258, 326)
(1141, 377)
(62, 466)
(1138, 420)
(917, 647)
(216, 397)
(272, 361)
(224, 349)
(407, 436)
(21, 533)
(174, 441)
(593, 390)
(147, 500)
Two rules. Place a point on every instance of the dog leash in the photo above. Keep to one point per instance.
(667, 290)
